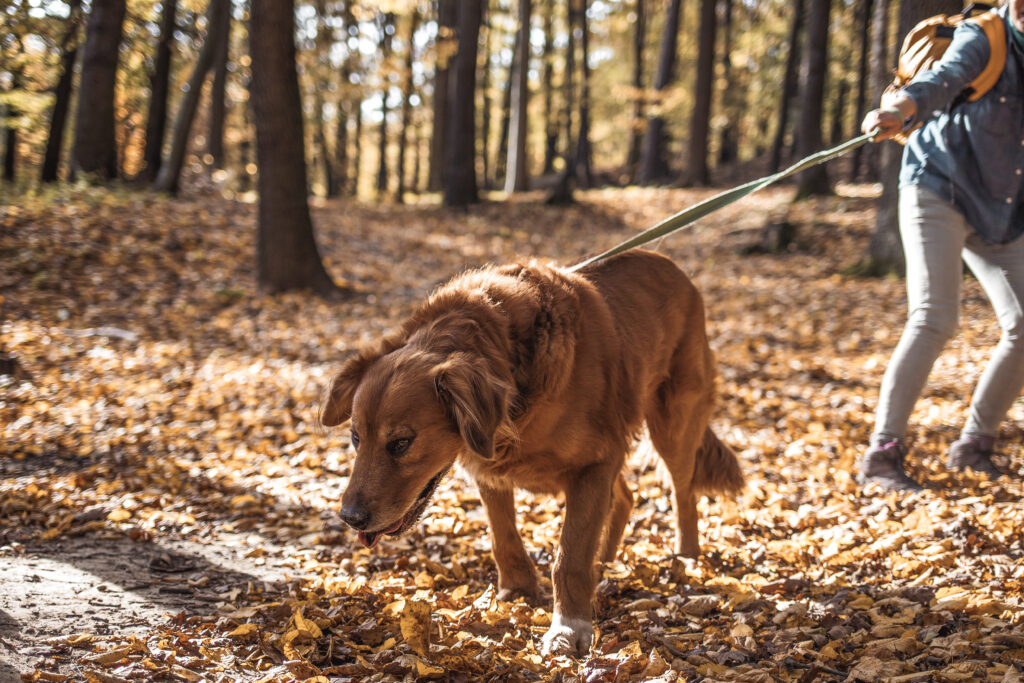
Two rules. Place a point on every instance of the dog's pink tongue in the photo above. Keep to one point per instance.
(369, 539)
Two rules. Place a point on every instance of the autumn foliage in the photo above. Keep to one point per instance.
(155, 403)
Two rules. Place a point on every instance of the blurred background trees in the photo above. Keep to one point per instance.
(402, 98)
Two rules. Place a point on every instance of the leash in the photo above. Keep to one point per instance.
(697, 211)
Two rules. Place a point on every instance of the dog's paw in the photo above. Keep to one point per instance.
(533, 595)
(567, 637)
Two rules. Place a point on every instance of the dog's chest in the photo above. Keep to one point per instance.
(537, 472)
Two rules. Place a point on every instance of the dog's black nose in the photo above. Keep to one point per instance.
(355, 516)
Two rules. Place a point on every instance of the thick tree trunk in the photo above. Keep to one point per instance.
(789, 85)
(287, 255)
(217, 14)
(885, 251)
(636, 126)
(62, 94)
(387, 22)
(460, 167)
(159, 86)
(548, 86)
(517, 178)
(654, 165)
(446, 16)
(215, 141)
(863, 15)
(813, 181)
(407, 93)
(95, 148)
(700, 122)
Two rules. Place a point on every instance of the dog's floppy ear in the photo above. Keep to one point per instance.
(337, 405)
(475, 398)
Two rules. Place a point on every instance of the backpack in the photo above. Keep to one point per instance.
(926, 43)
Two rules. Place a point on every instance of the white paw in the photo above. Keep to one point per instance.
(567, 637)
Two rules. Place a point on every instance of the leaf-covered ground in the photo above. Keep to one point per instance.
(168, 506)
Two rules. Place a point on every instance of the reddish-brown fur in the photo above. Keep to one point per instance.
(536, 378)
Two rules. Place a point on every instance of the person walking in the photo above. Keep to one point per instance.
(961, 196)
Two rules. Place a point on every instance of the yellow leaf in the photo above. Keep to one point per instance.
(427, 669)
(119, 515)
(460, 592)
(244, 631)
(415, 625)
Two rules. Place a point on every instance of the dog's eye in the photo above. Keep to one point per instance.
(355, 440)
(398, 447)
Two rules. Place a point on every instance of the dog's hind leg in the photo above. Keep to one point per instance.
(677, 417)
(516, 574)
(622, 506)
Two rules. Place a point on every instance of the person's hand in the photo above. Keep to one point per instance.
(887, 121)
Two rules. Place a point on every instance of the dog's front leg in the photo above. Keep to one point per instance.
(574, 575)
(516, 575)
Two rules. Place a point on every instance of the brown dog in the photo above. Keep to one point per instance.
(536, 378)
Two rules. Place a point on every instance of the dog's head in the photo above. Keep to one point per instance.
(412, 411)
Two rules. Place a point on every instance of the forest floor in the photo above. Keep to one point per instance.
(168, 508)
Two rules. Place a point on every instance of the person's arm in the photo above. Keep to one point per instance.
(931, 90)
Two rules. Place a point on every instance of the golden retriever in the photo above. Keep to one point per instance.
(535, 377)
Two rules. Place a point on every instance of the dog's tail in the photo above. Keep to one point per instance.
(716, 469)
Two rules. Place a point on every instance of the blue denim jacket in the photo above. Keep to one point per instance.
(974, 154)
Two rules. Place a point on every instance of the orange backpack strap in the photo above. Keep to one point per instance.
(995, 31)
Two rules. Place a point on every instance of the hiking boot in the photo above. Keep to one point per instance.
(883, 465)
(974, 452)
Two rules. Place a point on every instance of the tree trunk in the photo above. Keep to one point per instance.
(62, 94)
(517, 178)
(729, 142)
(159, 87)
(217, 14)
(407, 92)
(885, 251)
(11, 136)
(341, 175)
(585, 164)
(836, 133)
(637, 124)
(447, 11)
(863, 15)
(460, 167)
(562, 192)
(417, 156)
(813, 181)
(654, 165)
(700, 121)
(789, 85)
(485, 98)
(215, 143)
(357, 159)
(501, 153)
(287, 255)
(95, 148)
(548, 78)
(387, 22)
(881, 71)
